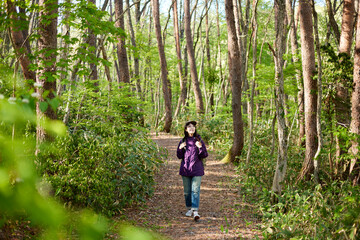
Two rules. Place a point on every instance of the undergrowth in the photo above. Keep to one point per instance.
(304, 210)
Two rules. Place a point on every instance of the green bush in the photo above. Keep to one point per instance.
(23, 199)
(303, 210)
(105, 174)
(323, 212)
(90, 167)
(106, 161)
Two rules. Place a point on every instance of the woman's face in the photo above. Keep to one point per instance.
(190, 129)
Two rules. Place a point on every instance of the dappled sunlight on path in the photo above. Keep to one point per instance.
(223, 214)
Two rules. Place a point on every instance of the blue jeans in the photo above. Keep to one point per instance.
(192, 191)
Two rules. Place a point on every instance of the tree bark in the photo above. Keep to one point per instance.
(253, 81)
(65, 47)
(319, 97)
(298, 76)
(208, 56)
(347, 27)
(222, 79)
(19, 43)
(342, 96)
(135, 51)
(332, 21)
(45, 77)
(235, 80)
(280, 45)
(164, 72)
(121, 50)
(310, 87)
(355, 108)
(183, 80)
(191, 56)
(93, 46)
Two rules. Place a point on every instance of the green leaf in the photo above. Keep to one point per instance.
(54, 103)
(43, 106)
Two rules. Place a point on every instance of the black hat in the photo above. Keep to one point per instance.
(190, 122)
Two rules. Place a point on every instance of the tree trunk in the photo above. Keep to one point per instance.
(45, 77)
(332, 21)
(295, 59)
(355, 109)
(183, 81)
(208, 57)
(190, 49)
(280, 45)
(253, 81)
(310, 87)
(319, 97)
(65, 47)
(347, 27)
(135, 51)
(342, 97)
(222, 79)
(235, 80)
(18, 41)
(164, 72)
(92, 45)
(121, 50)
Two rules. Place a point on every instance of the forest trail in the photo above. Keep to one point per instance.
(223, 214)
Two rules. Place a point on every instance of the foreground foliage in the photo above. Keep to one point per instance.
(104, 165)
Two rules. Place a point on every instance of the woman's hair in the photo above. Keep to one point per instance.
(196, 135)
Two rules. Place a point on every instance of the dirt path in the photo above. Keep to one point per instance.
(223, 214)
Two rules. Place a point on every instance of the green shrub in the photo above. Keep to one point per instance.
(91, 168)
(104, 174)
(327, 212)
(22, 196)
(107, 161)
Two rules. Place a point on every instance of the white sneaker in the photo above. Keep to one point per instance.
(196, 216)
(189, 213)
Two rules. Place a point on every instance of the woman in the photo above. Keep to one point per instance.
(191, 150)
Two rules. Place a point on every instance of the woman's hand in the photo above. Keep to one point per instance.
(198, 144)
(182, 145)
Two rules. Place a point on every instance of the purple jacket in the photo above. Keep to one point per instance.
(191, 165)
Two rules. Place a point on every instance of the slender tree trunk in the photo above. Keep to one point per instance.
(207, 29)
(135, 51)
(71, 90)
(190, 49)
(310, 87)
(342, 96)
(183, 80)
(93, 46)
(208, 56)
(280, 45)
(222, 79)
(298, 76)
(18, 42)
(332, 21)
(235, 80)
(164, 72)
(259, 105)
(319, 97)
(347, 27)
(121, 50)
(355, 109)
(253, 81)
(65, 46)
(107, 69)
(45, 77)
